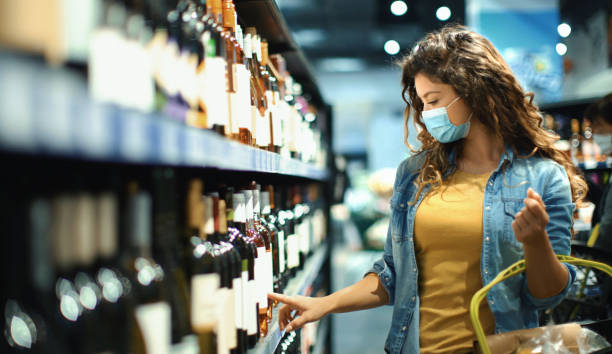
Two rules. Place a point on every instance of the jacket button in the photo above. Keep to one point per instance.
(491, 183)
(491, 302)
(413, 298)
(404, 329)
(487, 238)
(486, 271)
(402, 205)
(488, 207)
(414, 270)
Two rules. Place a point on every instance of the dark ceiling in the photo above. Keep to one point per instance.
(358, 29)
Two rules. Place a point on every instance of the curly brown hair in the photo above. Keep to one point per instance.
(469, 63)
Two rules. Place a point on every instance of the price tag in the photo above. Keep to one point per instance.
(93, 130)
(169, 142)
(134, 143)
(194, 150)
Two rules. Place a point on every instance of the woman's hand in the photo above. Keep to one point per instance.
(529, 224)
(309, 309)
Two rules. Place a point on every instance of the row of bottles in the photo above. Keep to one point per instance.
(158, 264)
(580, 144)
(290, 343)
(190, 60)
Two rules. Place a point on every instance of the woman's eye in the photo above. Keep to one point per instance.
(432, 102)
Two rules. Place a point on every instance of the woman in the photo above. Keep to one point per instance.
(485, 189)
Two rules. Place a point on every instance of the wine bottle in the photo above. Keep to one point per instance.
(167, 248)
(270, 222)
(204, 269)
(267, 236)
(260, 266)
(248, 253)
(150, 316)
(217, 84)
(234, 269)
(225, 296)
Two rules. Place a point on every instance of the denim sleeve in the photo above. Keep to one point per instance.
(385, 269)
(558, 199)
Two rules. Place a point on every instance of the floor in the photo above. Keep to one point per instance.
(361, 332)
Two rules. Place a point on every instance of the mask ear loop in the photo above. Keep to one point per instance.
(453, 101)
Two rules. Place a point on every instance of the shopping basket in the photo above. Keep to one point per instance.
(512, 270)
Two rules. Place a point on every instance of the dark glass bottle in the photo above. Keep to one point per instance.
(269, 221)
(261, 227)
(248, 252)
(227, 340)
(150, 316)
(260, 266)
(167, 249)
(204, 270)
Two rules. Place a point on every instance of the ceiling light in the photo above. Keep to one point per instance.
(561, 48)
(398, 8)
(564, 30)
(392, 47)
(443, 13)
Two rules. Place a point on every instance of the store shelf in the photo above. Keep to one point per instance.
(65, 123)
(573, 108)
(297, 286)
(270, 23)
(595, 166)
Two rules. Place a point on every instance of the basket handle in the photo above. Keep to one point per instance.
(512, 270)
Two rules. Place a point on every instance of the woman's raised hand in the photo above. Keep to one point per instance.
(307, 309)
(530, 222)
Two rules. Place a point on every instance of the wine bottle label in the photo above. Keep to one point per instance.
(276, 120)
(188, 345)
(85, 245)
(261, 128)
(235, 113)
(169, 68)
(230, 318)
(254, 126)
(223, 340)
(269, 272)
(304, 237)
(283, 116)
(204, 306)
(141, 87)
(155, 323)
(269, 116)
(243, 77)
(102, 70)
(282, 262)
(293, 248)
(244, 298)
(189, 84)
(237, 285)
(261, 277)
(107, 216)
(250, 304)
(214, 91)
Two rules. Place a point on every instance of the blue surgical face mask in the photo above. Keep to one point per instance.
(441, 128)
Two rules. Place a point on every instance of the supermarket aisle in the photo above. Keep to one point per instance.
(362, 332)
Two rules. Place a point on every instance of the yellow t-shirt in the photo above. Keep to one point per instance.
(448, 242)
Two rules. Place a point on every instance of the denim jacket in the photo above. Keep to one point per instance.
(510, 301)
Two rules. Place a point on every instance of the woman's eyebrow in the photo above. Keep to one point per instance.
(430, 92)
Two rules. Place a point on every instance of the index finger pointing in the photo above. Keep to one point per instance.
(282, 298)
